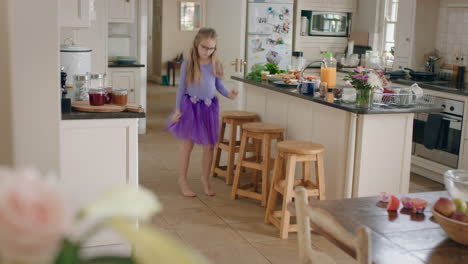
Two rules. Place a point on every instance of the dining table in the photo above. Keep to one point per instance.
(398, 236)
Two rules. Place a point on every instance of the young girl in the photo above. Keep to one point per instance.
(196, 116)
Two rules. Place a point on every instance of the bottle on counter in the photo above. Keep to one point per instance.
(81, 87)
(328, 70)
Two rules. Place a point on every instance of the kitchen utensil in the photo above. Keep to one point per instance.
(456, 183)
(421, 76)
(84, 106)
(75, 60)
(456, 230)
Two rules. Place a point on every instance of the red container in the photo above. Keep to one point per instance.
(97, 97)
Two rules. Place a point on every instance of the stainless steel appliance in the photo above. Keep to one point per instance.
(446, 134)
(329, 23)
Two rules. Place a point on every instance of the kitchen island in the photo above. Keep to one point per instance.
(367, 151)
(99, 151)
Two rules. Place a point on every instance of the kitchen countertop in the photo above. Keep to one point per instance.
(339, 105)
(440, 86)
(76, 115)
(135, 65)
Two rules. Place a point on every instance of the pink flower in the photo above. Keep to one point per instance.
(361, 77)
(359, 69)
(33, 217)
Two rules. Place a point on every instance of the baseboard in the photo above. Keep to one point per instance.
(428, 169)
(154, 78)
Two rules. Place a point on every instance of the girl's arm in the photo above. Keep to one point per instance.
(223, 90)
(182, 85)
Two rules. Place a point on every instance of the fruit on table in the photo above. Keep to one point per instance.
(445, 206)
(418, 205)
(393, 203)
(460, 216)
(460, 204)
(406, 202)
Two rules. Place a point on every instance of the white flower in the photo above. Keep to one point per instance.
(207, 101)
(375, 81)
(125, 201)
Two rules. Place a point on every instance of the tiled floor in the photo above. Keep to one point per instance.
(225, 231)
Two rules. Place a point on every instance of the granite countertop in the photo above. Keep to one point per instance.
(77, 115)
(115, 65)
(339, 105)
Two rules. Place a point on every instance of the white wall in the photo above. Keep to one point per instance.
(452, 31)
(427, 12)
(94, 37)
(174, 41)
(33, 73)
(367, 19)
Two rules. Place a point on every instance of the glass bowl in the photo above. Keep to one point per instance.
(456, 183)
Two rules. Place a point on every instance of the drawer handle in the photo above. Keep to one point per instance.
(131, 90)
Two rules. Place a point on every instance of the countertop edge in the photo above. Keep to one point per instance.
(337, 106)
(126, 65)
(75, 115)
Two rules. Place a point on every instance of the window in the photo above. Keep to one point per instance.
(390, 19)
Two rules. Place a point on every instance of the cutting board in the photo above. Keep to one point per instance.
(84, 106)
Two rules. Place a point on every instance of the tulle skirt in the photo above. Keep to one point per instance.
(199, 121)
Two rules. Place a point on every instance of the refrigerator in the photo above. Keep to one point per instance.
(269, 32)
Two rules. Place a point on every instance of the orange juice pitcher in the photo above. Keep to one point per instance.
(328, 70)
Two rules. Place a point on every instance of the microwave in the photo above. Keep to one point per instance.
(331, 24)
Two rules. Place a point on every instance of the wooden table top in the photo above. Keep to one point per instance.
(398, 237)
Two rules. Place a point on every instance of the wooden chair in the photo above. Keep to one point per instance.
(258, 132)
(357, 246)
(291, 153)
(234, 119)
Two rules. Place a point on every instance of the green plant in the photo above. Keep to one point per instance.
(256, 73)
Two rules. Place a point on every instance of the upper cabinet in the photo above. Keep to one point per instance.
(404, 37)
(74, 13)
(327, 5)
(121, 11)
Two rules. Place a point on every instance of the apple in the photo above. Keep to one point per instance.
(461, 205)
(460, 216)
(445, 206)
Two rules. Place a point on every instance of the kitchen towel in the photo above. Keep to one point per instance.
(432, 131)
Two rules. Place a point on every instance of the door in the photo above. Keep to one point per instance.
(228, 18)
(404, 37)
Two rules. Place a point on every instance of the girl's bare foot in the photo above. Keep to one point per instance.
(207, 188)
(185, 189)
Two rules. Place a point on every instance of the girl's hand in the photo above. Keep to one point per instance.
(233, 94)
(176, 116)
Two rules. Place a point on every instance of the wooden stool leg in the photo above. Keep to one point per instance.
(231, 152)
(266, 167)
(306, 171)
(241, 157)
(288, 196)
(277, 171)
(217, 151)
(257, 154)
(320, 176)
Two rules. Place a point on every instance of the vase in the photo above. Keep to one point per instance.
(364, 98)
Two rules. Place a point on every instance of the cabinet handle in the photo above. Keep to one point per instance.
(131, 90)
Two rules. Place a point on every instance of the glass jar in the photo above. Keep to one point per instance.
(108, 94)
(337, 93)
(96, 97)
(328, 70)
(81, 87)
(97, 80)
(323, 89)
(297, 61)
(120, 96)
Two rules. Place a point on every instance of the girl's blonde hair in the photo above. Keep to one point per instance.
(193, 65)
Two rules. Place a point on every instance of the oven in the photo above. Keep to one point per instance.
(437, 137)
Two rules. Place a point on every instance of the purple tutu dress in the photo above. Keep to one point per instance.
(199, 107)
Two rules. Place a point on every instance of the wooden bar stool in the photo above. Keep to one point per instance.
(262, 134)
(284, 183)
(235, 119)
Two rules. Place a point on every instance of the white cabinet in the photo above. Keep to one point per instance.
(97, 155)
(127, 78)
(74, 13)
(327, 5)
(404, 39)
(121, 11)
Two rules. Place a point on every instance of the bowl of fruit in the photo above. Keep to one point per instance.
(452, 216)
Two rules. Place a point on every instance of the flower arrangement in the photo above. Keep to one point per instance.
(366, 81)
(37, 226)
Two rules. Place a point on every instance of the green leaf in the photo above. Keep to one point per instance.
(109, 260)
(68, 254)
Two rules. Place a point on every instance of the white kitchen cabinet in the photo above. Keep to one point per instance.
(97, 155)
(404, 39)
(327, 5)
(127, 78)
(121, 11)
(75, 13)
